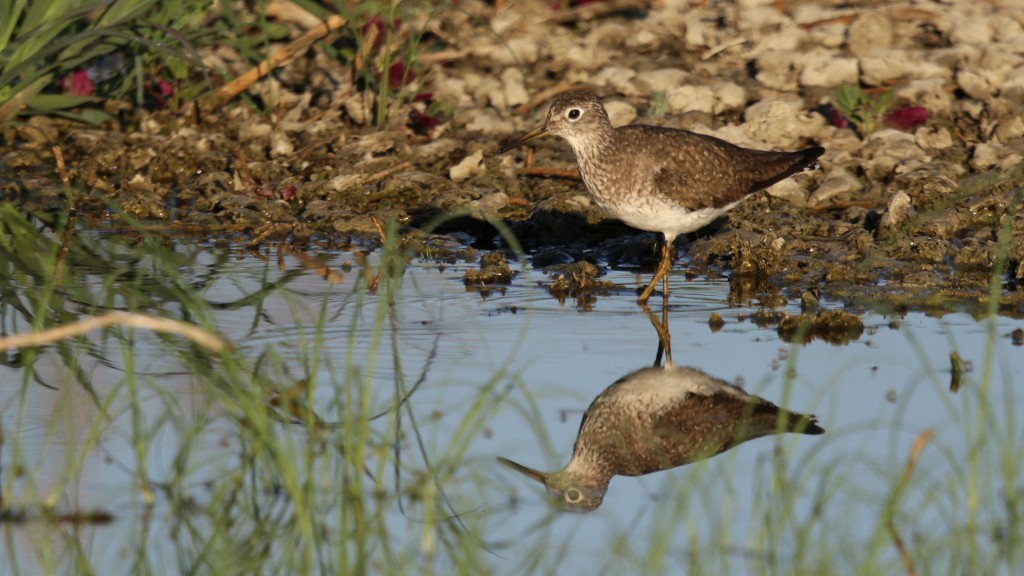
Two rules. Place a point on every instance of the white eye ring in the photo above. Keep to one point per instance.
(573, 496)
(574, 114)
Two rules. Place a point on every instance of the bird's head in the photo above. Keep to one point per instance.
(574, 115)
(566, 490)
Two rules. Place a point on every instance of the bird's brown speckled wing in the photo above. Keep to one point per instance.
(700, 171)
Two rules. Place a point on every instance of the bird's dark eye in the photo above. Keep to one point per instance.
(574, 115)
(573, 496)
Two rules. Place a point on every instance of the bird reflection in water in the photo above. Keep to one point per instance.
(658, 418)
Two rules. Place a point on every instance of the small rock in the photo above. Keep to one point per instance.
(1013, 87)
(488, 121)
(973, 84)
(837, 181)
(39, 130)
(1009, 128)
(930, 93)
(715, 322)
(472, 165)
(933, 138)
(619, 112)
(782, 123)
(660, 80)
(699, 30)
(989, 154)
(436, 150)
(869, 32)
(899, 211)
(494, 269)
(789, 189)
(888, 66)
(729, 96)
(359, 107)
(975, 29)
(689, 98)
(617, 78)
(824, 70)
(489, 203)
(514, 87)
(280, 144)
(249, 131)
(890, 149)
(780, 69)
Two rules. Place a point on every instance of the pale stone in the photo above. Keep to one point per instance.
(975, 29)
(779, 70)
(789, 190)
(617, 78)
(729, 96)
(888, 66)
(869, 32)
(973, 84)
(660, 80)
(472, 165)
(489, 203)
(1009, 127)
(619, 112)
(698, 31)
(933, 138)
(930, 93)
(487, 121)
(782, 123)
(691, 99)
(759, 18)
(831, 35)
(899, 210)
(892, 151)
(837, 181)
(514, 87)
(280, 144)
(989, 154)
(829, 72)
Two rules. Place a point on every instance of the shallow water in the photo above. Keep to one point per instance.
(874, 397)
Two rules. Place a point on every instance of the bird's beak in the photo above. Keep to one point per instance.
(535, 474)
(529, 136)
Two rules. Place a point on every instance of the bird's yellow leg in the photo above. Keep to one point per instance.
(661, 273)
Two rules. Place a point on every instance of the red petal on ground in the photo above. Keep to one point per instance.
(399, 75)
(838, 120)
(906, 118)
(421, 123)
(77, 83)
(164, 88)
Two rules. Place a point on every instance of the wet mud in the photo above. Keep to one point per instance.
(926, 216)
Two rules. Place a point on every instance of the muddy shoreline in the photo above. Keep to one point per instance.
(898, 219)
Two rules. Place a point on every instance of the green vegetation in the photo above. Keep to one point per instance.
(130, 44)
(864, 110)
(68, 57)
(316, 451)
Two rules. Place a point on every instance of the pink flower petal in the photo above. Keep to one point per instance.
(77, 83)
(906, 118)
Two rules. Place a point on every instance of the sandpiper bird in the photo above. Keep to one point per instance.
(661, 179)
(655, 419)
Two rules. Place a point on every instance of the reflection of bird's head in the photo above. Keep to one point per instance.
(566, 490)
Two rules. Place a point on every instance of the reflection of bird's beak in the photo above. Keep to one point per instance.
(535, 474)
(529, 136)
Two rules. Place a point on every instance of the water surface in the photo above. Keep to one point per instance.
(771, 505)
